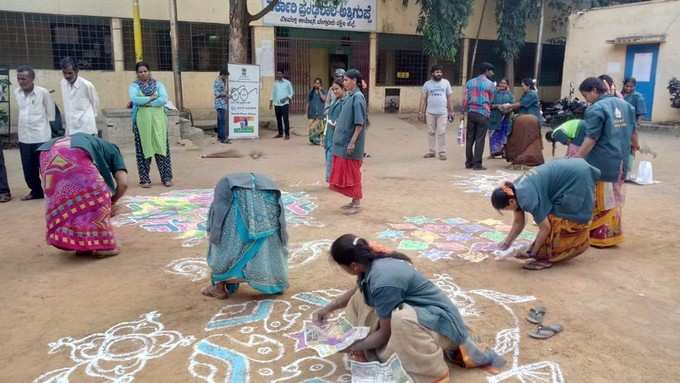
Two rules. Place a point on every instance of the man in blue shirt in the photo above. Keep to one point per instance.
(282, 93)
(479, 94)
(220, 91)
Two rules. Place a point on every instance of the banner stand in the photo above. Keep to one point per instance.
(244, 101)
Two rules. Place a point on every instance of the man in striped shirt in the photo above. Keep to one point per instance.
(479, 93)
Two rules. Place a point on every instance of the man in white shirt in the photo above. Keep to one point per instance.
(80, 100)
(36, 110)
(436, 105)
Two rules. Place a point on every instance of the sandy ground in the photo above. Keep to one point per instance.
(619, 307)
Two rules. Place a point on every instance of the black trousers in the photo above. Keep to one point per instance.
(477, 125)
(164, 163)
(4, 185)
(30, 162)
(282, 122)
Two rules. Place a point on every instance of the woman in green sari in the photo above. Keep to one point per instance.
(150, 125)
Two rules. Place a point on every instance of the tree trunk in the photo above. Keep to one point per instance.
(510, 72)
(238, 31)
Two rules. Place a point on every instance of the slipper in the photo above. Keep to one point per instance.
(352, 211)
(545, 332)
(536, 315)
(348, 206)
(101, 254)
(145, 185)
(211, 291)
(537, 265)
(5, 197)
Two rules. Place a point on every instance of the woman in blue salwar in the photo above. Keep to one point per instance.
(499, 123)
(247, 232)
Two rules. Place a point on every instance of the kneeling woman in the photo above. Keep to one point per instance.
(559, 195)
(83, 177)
(408, 315)
(247, 230)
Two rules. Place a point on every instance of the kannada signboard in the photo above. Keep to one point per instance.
(349, 15)
(244, 101)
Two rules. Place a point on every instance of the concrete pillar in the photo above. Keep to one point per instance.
(264, 42)
(373, 103)
(466, 57)
(117, 40)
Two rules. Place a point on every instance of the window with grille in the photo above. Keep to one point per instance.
(202, 46)
(552, 61)
(42, 40)
(402, 62)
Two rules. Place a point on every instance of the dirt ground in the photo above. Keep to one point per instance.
(618, 307)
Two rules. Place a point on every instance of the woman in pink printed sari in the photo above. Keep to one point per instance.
(83, 177)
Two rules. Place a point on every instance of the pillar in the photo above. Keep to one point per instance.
(464, 72)
(264, 41)
(117, 40)
(374, 104)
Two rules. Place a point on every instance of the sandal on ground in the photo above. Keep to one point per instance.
(100, 254)
(6, 197)
(145, 185)
(429, 155)
(545, 332)
(167, 184)
(348, 206)
(29, 197)
(214, 292)
(536, 315)
(537, 265)
(352, 210)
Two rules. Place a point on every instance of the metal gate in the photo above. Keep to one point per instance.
(293, 59)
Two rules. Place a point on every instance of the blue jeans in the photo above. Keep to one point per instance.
(222, 130)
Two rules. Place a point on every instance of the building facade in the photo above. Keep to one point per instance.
(640, 40)
(377, 37)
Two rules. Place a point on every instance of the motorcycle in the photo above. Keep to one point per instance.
(568, 108)
(674, 90)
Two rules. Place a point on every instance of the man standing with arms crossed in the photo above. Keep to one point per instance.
(282, 93)
(80, 100)
(36, 110)
(436, 105)
(479, 93)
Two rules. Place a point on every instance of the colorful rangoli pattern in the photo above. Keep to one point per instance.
(185, 213)
(482, 183)
(449, 238)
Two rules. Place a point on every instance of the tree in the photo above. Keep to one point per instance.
(440, 21)
(239, 21)
(512, 17)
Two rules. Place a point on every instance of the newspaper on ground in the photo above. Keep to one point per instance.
(332, 336)
(375, 372)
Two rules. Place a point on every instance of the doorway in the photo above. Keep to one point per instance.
(641, 64)
(336, 61)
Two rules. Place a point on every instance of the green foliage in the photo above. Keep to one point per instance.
(512, 17)
(441, 22)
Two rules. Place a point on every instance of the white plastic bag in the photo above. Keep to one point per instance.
(645, 174)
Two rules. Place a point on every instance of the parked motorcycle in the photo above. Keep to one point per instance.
(674, 90)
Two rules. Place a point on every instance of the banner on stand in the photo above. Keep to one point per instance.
(244, 101)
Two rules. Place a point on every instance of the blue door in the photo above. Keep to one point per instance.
(641, 64)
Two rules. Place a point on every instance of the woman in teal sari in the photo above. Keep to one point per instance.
(499, 123)
(150, 125)
(525, 146)
(247, 230)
